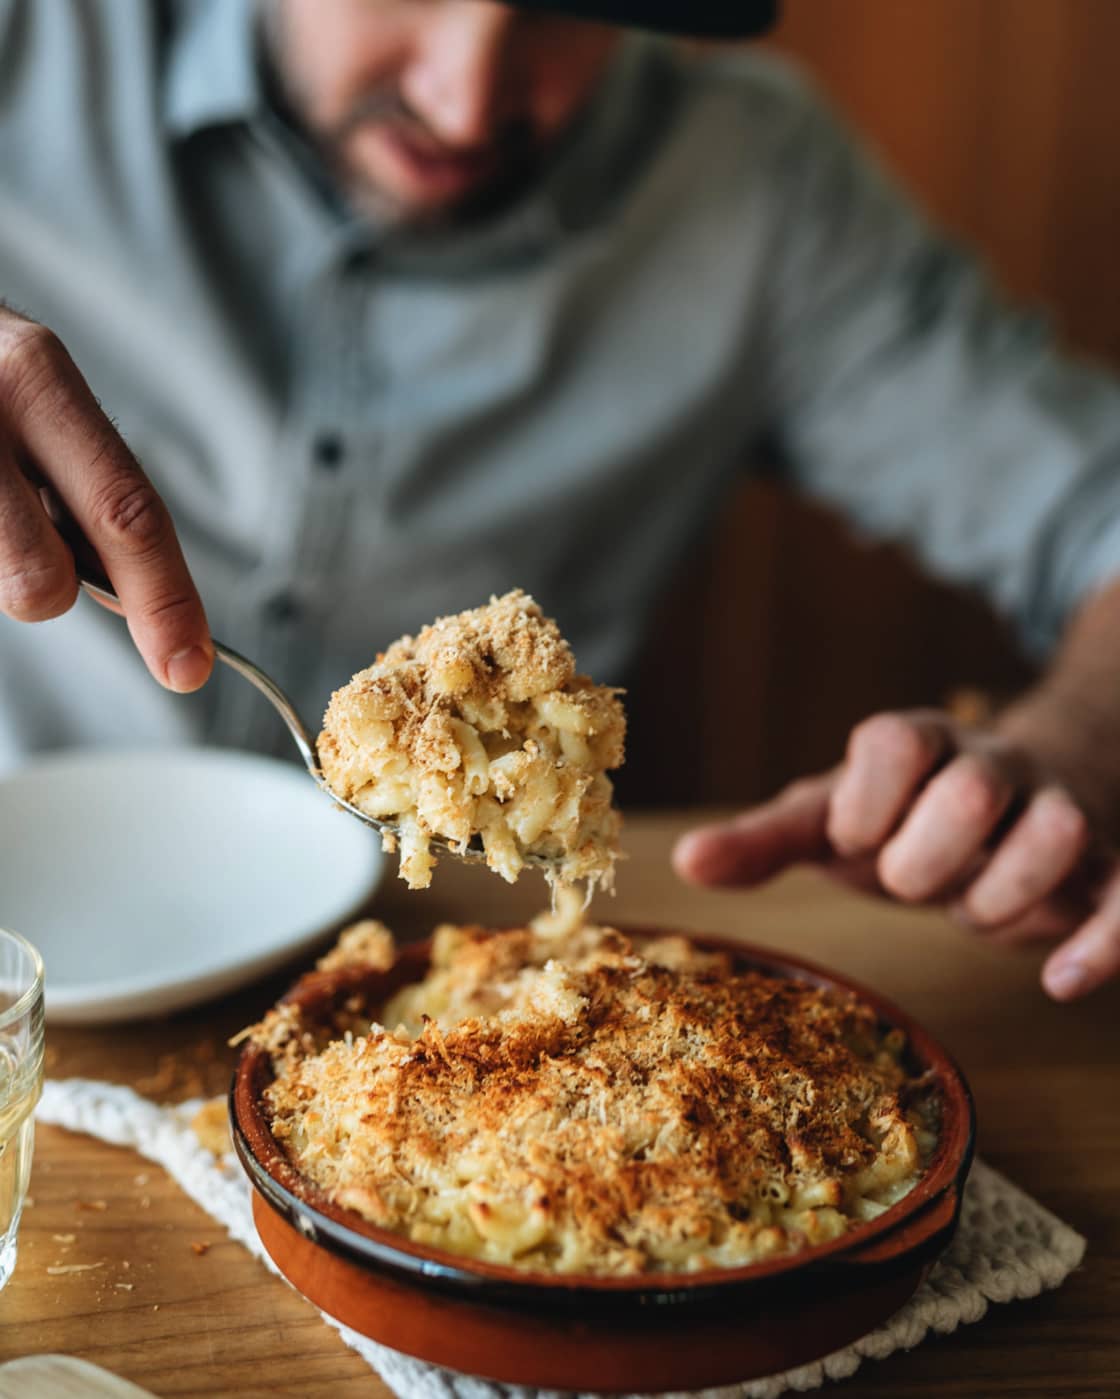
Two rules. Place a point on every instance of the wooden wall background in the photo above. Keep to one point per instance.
(1003, 118)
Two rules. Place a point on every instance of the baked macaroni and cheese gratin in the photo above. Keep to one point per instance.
(564, 1098)
(480, 728)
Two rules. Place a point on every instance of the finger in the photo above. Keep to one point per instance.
(760, 843)
(37, 578)
(61, 427)
(1091, 956)
(946, 828)
(1038, 853)
(889, 757)
(1042, 922)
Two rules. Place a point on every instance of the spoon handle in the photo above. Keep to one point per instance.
(280, 702)
(97, 586)
(95, 581)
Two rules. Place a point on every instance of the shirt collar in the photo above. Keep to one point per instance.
(212, 74)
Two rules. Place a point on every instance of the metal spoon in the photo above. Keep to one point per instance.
(97, 585)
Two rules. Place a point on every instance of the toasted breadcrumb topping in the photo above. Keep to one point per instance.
(480, 728)
(579, 1102)
(367, 943)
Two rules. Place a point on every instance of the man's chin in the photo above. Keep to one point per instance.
(398, 186)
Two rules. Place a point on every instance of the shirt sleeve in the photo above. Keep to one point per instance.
(902, 391)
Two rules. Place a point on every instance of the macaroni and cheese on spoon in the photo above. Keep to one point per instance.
(480, 730)
(477, 737)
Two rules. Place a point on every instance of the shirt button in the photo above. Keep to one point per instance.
(358, 261)
(281, 608)
(328, 451)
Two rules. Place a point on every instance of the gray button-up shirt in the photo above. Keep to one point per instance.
(358, 428)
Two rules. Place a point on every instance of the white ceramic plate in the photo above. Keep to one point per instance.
(154, 878)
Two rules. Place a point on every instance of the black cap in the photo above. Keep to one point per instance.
(713, 19)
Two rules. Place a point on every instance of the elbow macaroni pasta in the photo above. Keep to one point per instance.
(480, 727)
(562, 1099)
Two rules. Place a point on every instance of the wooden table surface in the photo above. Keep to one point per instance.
(214, 1323)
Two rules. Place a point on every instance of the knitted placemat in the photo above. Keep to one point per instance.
(1008, 1247)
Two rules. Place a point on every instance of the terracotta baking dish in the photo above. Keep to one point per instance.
(648, 1333)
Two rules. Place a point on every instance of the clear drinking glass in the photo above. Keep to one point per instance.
(21, 1081)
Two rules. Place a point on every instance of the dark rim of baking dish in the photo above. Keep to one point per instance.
(922, 1227)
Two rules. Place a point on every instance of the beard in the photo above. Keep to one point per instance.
(517, 154)
(514, 158)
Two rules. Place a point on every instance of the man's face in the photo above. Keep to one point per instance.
(425, 108)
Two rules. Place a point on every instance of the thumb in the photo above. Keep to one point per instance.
(763, 841)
